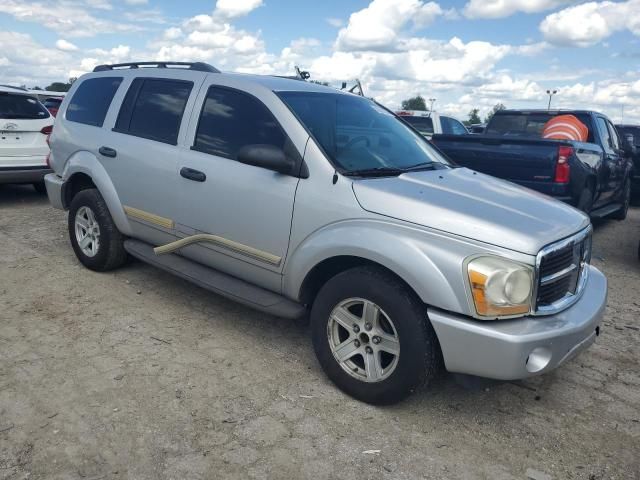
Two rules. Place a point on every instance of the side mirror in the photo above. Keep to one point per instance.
(266, 156)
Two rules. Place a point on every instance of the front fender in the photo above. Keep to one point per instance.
(86, 163)
(429, 262)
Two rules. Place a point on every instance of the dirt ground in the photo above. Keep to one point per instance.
(136, 374)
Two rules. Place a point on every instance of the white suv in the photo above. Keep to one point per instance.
(25, 125)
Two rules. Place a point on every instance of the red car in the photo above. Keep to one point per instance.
(53, 104)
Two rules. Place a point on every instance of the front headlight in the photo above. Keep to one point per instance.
(500, 287)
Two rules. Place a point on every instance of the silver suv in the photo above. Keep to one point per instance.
(295, 198)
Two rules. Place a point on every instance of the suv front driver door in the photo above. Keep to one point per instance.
(246, 210)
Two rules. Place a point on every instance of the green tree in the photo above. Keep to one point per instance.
(496, 108)
(61, 86)
(414, 103)
(474, 116)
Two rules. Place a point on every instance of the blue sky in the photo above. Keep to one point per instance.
(465, 53)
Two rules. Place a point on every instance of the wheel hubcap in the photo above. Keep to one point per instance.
(87, 231)
(363, 340)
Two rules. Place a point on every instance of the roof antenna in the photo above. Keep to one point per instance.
(335, 177)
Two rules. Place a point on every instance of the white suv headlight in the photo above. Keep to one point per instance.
(500, 287)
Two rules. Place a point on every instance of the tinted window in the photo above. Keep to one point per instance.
(91, 100)
(635, 131)
(230, 120)
(452, 126)
(528, 124)
(423, 124)
(604, 134)
(358, 134)
(153, 109)
(52, 102)
(21, 107)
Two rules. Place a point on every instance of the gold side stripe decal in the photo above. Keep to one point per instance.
(149, 217)
(222, 242)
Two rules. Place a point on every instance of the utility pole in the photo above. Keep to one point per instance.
(432, 101)
(551, 93)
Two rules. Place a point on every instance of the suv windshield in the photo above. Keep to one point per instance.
(21, 107)
(359, 136)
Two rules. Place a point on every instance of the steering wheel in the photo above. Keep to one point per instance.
(355, 140)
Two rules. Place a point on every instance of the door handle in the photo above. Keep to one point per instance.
(107, 152)
(191, 174)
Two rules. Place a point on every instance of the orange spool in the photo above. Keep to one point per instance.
(565, 127)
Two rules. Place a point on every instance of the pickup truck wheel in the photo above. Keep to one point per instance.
(95, 239)
(372, 336)
(585, 203)
(625, 200)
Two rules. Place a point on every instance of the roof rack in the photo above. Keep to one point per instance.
(300, 75)
(13, 86)
(357, 86)
(196, 66)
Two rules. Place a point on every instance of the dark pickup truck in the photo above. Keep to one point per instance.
(631, 133)
(593, 176)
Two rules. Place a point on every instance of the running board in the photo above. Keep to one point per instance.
(217, 282)
(604, 211)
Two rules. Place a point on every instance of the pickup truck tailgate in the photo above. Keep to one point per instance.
(517, 159)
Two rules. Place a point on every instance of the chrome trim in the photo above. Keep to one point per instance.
(570, 298)
(557, 275)
(220, 242)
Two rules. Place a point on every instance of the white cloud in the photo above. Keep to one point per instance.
(590, 23)
(335, 22)
(378, 26)
(172, 33)
(65, 46)
(67, 17)
(236, 8)
(505, 8)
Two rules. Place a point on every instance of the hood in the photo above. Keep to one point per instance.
(472, 205)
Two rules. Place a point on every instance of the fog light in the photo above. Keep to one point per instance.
(538, 359)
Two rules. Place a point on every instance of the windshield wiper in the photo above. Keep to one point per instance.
(421, 166)
(375, 172)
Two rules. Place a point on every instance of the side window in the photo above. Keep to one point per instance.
(452, 126)
(604, 134)
(230, 120)
(92, 99)
(153, 109)
(615, 139)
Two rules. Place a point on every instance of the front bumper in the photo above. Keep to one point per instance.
(524, 347)
(54, 185)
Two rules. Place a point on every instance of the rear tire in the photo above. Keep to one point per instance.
(625, 199)
(94, 236)
(585, 203)
(40, 187)
(387, 345)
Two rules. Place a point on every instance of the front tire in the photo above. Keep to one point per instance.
(94, 236)
(372, 336)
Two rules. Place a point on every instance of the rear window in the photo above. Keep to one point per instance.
(422, 124)
(52, 102)
(21, 107)
(635, 131)
(91, 100)
(528, 124)
(153, 109)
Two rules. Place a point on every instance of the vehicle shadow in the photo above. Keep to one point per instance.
(14, 195)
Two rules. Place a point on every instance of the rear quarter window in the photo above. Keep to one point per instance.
(90, 102)
(153, 109)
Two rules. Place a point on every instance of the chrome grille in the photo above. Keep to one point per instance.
(561, 272)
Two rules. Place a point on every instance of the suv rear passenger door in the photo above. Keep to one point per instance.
(141, 153)
(247, 209)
